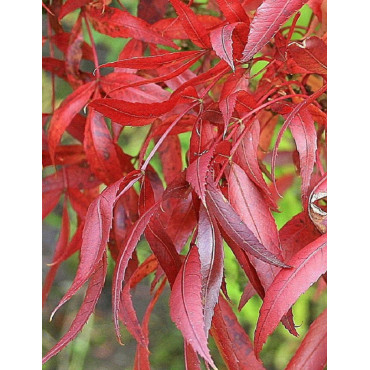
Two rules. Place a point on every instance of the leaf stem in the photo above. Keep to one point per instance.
(93, 46)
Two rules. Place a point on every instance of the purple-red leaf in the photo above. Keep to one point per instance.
(92, 295)
(311, 54)
(222, 43)
(211, 254)
(96, 233)
(100, 149)
(186, 305)
(249, 204)
(267, 21)
(63, 116)
(236, 229)
(312, 353)
(132, 238)
(308, 265)
(231, 339)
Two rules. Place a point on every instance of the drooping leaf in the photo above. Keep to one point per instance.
(142, 354)
(63, 116)
(312, 351)
(233, 342)
(211, 255)
(127, 312)
(92, 295)
(308, 265)
(96, 233)
(186, 305)
(236, 229)
(59, 249)
(247, 201)
(129, 244)
(100, 149)
(270, 15)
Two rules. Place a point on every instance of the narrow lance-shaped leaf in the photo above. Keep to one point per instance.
(211, 254)
(142, 354)
(233, 11)
(312, 353)
(131, 240)
(231, 339)
(63, 116)
(193, 27)
(236, 229)
(100, 149)
(308, 265)
(127, 312)
(92, 295)
(115, 22)
(59, 249)
(311, 54)
(186, 305)
(153, 61)
(222, 43)
(269, 17)
(96, 233)
(304, 134)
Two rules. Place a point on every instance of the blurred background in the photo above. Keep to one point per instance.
(96, 346)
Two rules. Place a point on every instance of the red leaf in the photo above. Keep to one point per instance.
(233, 11)
(132, 238)
(135, 114)
(142, 354)
(186, 305)
(118, 23)
(311, 354)
(100, 149)
(150, 93)
(303, 130)
(92, 295)
(233, 342)
(308, 265)
(127, 312)
(59, 249)
(152, 11)
(70, 5)
(270, 15)
(96, 233)
(310, 54)
(191, 358)
(211, 254)
(196, 172)
(171, 157)
(153, 61)
(248, 203)
(63, 116)
(49, 200)
(222, 43)
(236, 229)
(296, 234)
(193, 27)
(247, 159)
